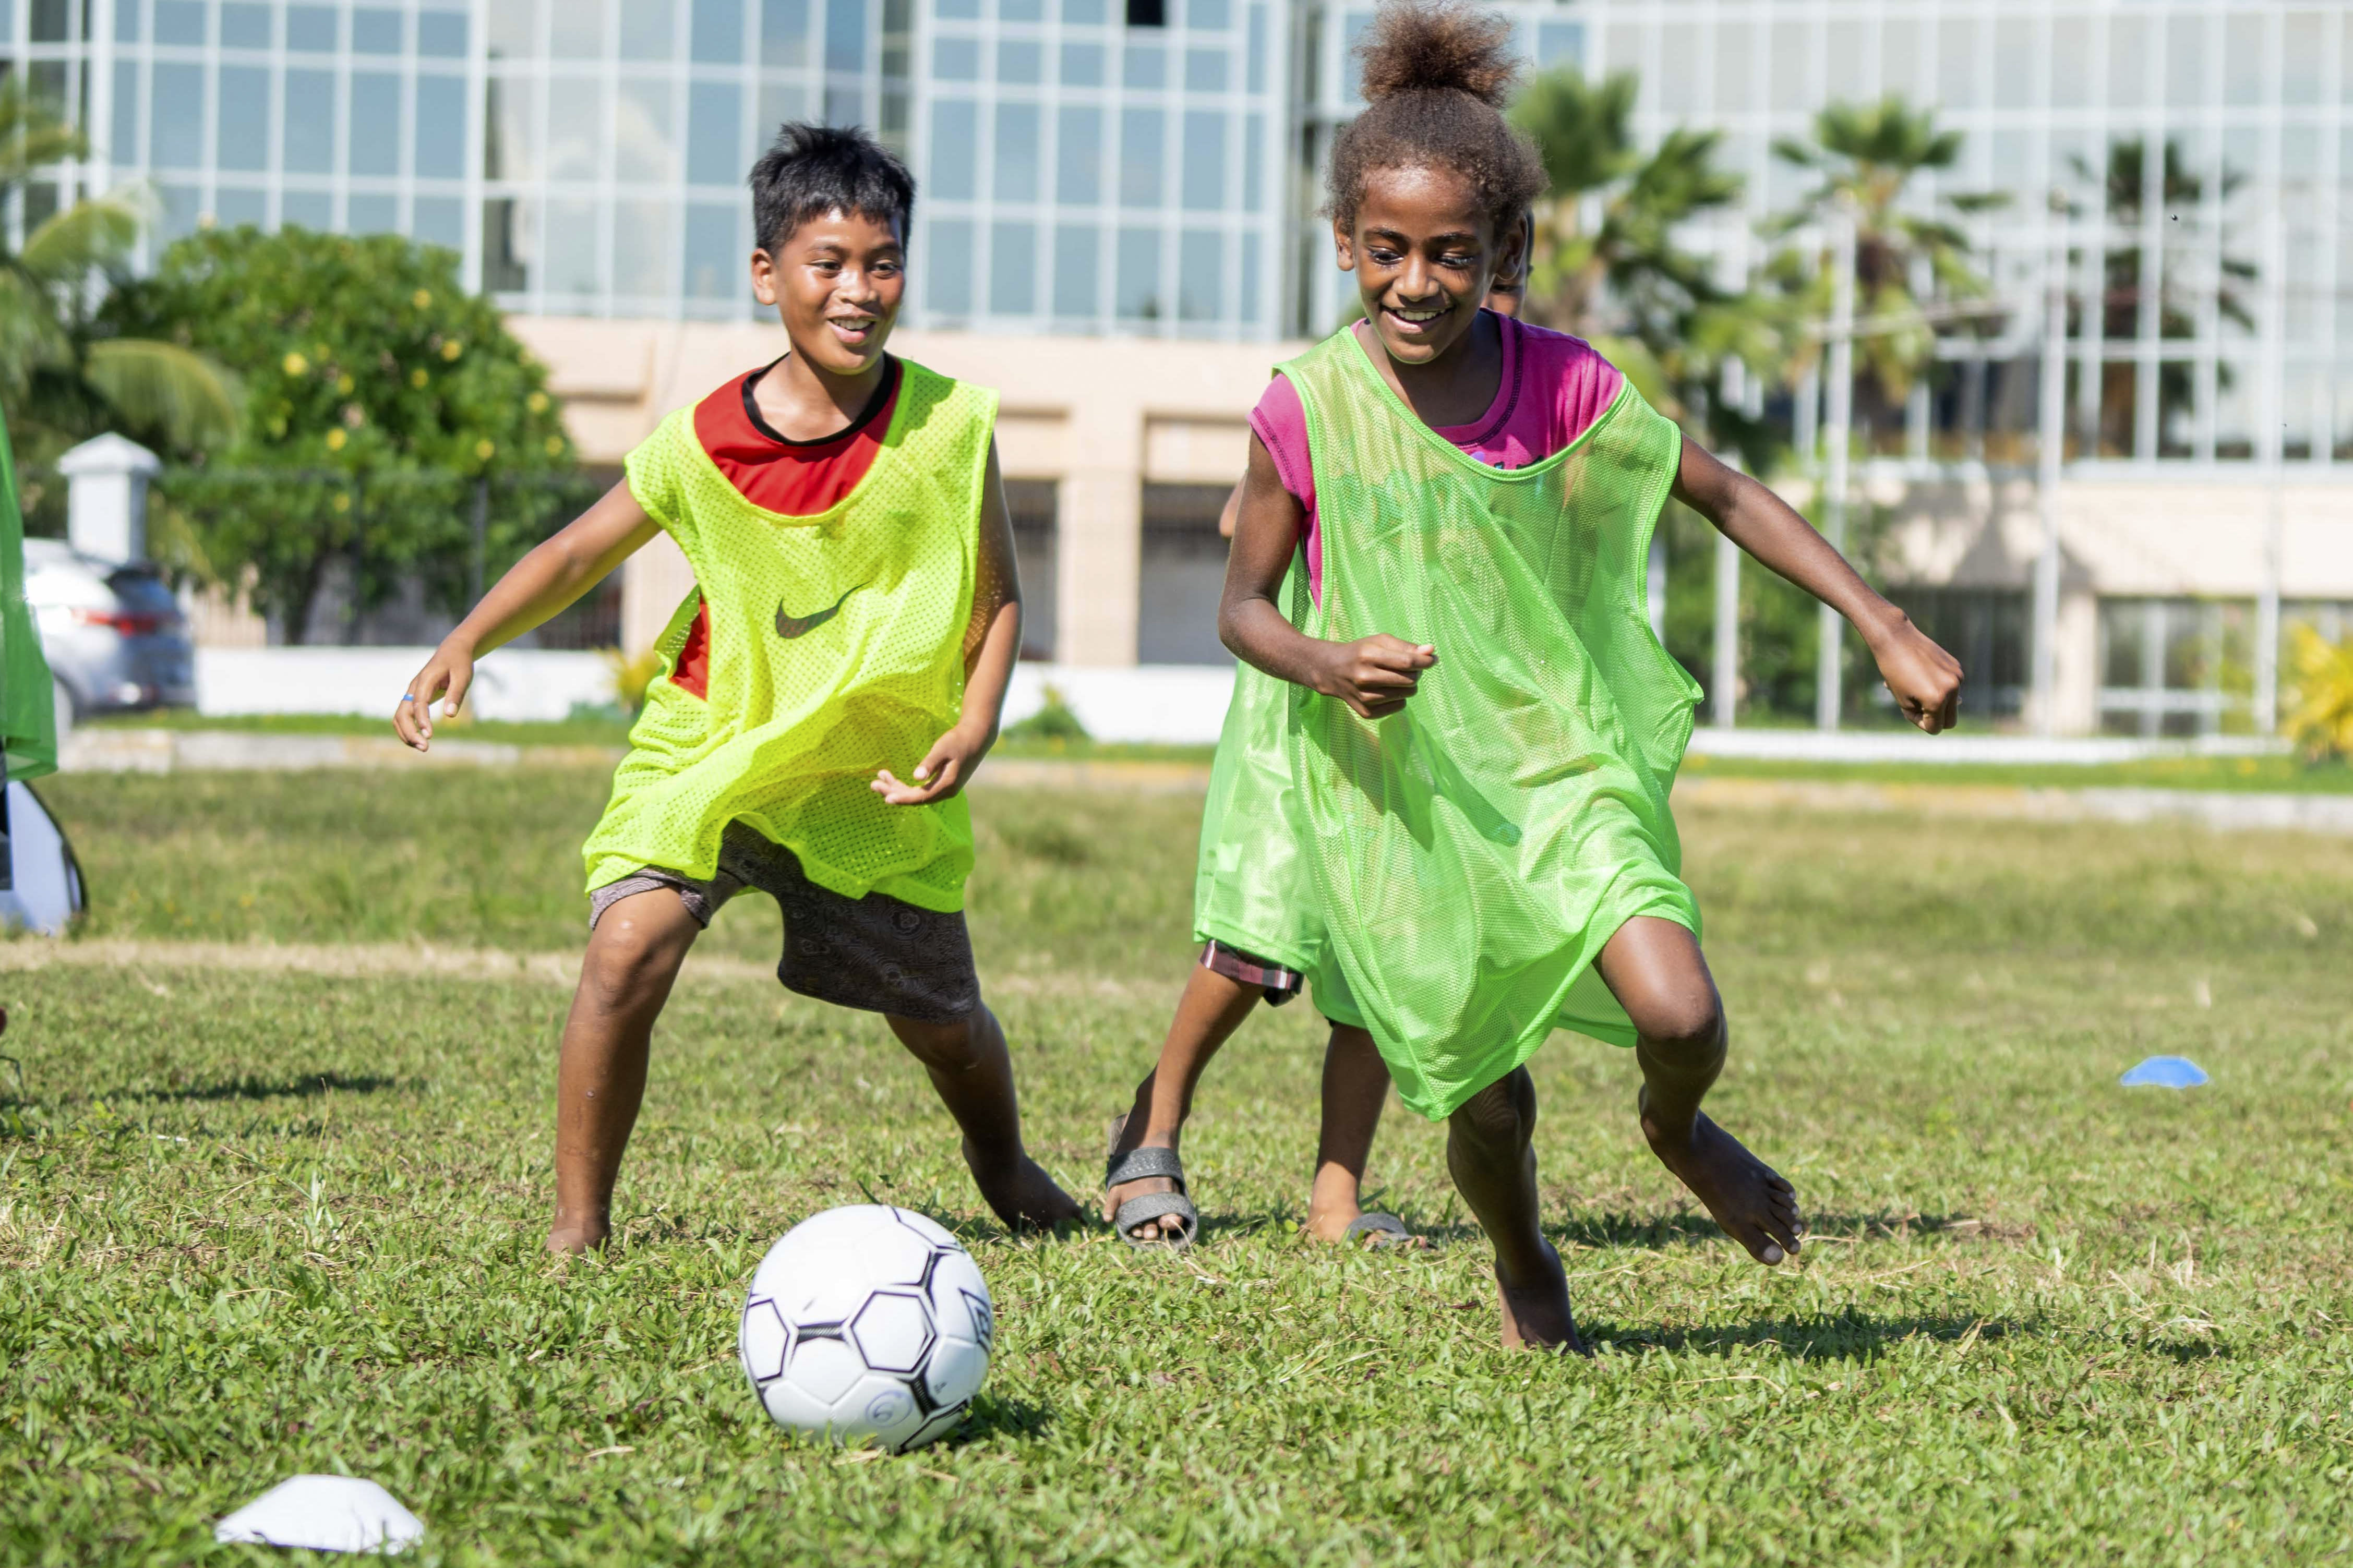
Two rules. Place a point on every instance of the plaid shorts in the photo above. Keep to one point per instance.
(1280, 984)
(877, 954)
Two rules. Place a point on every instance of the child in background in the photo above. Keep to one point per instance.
(1242, 917)
(1482, 729)
(825, 692)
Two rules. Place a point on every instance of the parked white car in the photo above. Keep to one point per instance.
(114, 635)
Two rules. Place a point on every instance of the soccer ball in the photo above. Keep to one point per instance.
(867, 1323)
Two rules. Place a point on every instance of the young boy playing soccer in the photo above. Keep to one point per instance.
(1442, 551)
(825, 692)
(1259, 936)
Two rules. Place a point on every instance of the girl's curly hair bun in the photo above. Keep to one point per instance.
(1438, 46)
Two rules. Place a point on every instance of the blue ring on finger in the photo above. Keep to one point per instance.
(408, 697)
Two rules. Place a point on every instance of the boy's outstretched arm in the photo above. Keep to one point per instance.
(1373, 675)
(1925, 679)
(534, 589)
(992, 642)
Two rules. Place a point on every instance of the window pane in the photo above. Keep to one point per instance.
(1017, 152)
(576, 33)
(956, 59)
(507, 245)
(1078, 157)
(718, 33)
(714, 116)
(2128, 45)
(1074, 272)
(233, 207)
(1957, 63)
(441, 35)
(125, 149)
(576, 125)
(310, 28)
(514, 34)
(1205, 161)
(376, 32)
(179, 21)
(568, 259)
(1139, 274)
(126, 23)
(244, 27)
(181, 204)
(2185, 62)
(714, 268)
(1140, 157)
(955, 145)
(1083, 65)
(1205, 70)
(511, 129)
(645, 146)
(372, 215)
(1557, 44)
(243, 117)
(2014, 48)
(2070, 62)
(1201, 276)
(375, 123)
(441, 128)
(1208, 16)
(1144, 64)
(845, 35)
(1020, 61)
(176, 126)
(1250, 289)
(648, 29)
(780, 103)
(306, 210)
(1013, 269)
(949, 266)
(1792, 64)
(1253, 162)
(1255, 50)
(784, 32)
(645, 248)
(1736, 63)
(439, 220)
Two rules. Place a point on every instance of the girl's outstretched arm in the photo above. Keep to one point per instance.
(1373, 675)
(535, 588)
(1925, 679)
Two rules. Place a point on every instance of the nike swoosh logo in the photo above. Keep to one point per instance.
(789, 626)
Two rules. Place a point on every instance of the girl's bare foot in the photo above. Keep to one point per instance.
(1020, 1191)
(1751, 1201)
(1536, 1312)
(569, 1238)
(1160, 1228)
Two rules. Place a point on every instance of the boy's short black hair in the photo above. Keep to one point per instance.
(812, 170)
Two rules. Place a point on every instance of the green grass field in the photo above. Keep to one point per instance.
(272, 1192)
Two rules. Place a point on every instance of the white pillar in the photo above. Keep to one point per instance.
(2271, 451)
(1099, 535)
(2050, 455)
(106, 497)
(1838, 419)
(1725, 699)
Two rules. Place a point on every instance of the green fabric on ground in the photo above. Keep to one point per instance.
(28, 715)
(1474, 852)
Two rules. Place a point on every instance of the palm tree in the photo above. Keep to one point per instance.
(1867, 155)
(64, 376)
(1616, 273)
(2124, 286)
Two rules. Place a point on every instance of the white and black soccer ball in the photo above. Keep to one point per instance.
(867, 1323)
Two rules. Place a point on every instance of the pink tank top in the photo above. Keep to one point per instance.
(1554, 387)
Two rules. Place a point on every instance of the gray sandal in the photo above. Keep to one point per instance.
(1134, 1166)
(1381, 1233)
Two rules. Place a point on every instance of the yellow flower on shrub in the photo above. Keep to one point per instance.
(452, 349)
(295, 364)
(536, 403)
(2321, 722)
(418, 378)
(632, 673)
(335, 439)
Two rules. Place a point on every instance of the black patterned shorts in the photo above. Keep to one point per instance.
(879, 953)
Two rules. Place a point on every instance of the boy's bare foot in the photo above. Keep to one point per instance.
(1020, 1191)
(1751, 1201)
(569, 1238)
(1160, 1228)
(1536, 1312)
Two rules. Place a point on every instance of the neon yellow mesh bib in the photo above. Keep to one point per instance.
(1473, 853)
(837, 649)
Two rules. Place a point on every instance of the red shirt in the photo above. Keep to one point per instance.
(793, 478)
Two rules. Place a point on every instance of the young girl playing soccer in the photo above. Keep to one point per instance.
(1259, 937)
(1480, 728)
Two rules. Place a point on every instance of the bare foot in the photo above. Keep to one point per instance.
(1024, 1196)
(569, 1238)
(1330, 1222)
(1754, 1204)
(1536, 1313)
(1160, 1228)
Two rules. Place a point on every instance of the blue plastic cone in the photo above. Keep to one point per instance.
(2164, 1072)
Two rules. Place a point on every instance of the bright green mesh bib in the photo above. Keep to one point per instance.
(837, 649)
(1471, 853)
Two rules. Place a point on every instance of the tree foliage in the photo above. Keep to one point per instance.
(381, 397)
(67, 372)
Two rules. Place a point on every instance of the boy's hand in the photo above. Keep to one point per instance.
(1925, 680)
(450, 670)
(1373, 675)
(945, 769)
